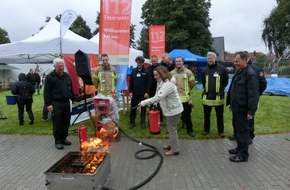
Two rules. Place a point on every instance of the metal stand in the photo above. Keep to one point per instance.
(85, 108)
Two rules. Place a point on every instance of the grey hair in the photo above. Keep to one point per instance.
(57, 60)
(169, 57)
(211, 54)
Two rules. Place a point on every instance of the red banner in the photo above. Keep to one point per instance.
(115, 18)
(157, 40)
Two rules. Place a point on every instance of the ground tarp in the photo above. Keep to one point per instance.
(279, 86)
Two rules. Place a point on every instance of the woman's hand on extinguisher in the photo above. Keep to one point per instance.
(139, 105)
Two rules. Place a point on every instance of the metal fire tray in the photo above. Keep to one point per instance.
(70, 173)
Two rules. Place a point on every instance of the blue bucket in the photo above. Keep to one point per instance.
(11, 99)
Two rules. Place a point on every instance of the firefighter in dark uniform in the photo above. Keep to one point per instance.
(262, 87)
(242, 99)
(214, 80)
(139, 88)
(57, 93)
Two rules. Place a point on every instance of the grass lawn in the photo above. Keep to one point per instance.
(271, 117)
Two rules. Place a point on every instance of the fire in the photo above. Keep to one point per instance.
(95, 162)
(93, 143)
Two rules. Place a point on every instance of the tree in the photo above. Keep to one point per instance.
(79, 27)
(186, 23)
(97, 23)
(276, 32)
(143, 42)
(4, 39)
(132, 36)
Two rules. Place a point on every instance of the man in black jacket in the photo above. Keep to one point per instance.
(24, 91)
(262, 87)
(139, 88)
(57, 93)
(242, 99)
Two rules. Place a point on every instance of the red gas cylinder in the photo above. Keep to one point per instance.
(154, 121)
(83, 137)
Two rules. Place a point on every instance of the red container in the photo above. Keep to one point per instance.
(83, 137)
(154, 122)
(102, 106)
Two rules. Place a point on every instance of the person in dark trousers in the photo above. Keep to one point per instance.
(44, 113)
(31, 77)
(242, 100)
(154, 64)
(139, 88)
(37, 80)
(57, 93)
(44, 109)
(24, 91)
(262, 87)
(214, 80)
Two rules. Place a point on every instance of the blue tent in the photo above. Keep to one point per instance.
(187, 55)
(190, 57)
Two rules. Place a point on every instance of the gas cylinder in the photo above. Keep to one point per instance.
(83, 137)
(154, 121)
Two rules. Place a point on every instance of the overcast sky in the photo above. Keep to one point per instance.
(240, 22)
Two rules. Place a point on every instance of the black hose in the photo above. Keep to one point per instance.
(154, 151)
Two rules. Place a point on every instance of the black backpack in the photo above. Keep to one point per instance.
(25, 93)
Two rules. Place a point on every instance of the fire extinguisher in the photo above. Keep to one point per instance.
(154, 121)
(83, 138)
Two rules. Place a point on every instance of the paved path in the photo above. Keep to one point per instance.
(202, 164)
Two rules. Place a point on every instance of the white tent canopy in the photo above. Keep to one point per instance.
(45, 45)
(133, 53)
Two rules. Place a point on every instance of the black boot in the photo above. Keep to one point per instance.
(31, 122)
(132, 125)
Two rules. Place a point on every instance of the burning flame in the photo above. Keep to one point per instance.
(95, 162)
(94, 143)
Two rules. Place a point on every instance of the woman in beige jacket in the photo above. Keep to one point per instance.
(170, 103)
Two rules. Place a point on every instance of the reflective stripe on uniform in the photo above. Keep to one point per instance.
(218, 101)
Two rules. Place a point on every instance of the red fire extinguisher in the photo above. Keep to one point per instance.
(154, 121)
(83, 138)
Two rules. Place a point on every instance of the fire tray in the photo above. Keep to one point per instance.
(75, 170)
